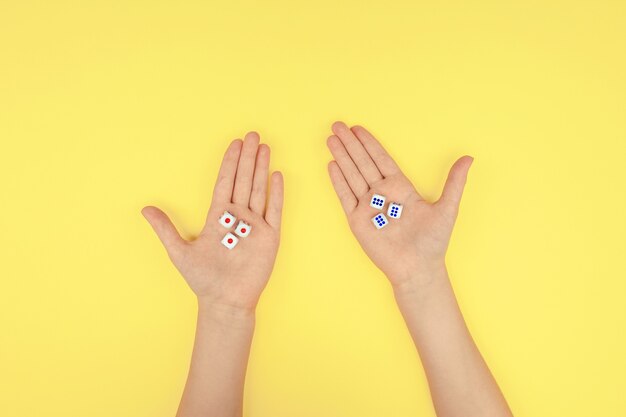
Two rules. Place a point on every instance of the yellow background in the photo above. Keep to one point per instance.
(108, 106)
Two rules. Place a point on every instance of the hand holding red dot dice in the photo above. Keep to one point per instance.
(243, 199)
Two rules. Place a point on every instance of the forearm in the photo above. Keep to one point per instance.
(460, 382)
(216, 378)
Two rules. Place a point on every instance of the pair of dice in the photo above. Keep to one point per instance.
(394, 211)
(242, 230)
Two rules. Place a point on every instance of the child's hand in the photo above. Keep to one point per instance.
(231, 278)
(409, 248)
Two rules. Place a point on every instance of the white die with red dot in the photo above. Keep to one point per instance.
(242, 229)
(230, 240)
(227, 220)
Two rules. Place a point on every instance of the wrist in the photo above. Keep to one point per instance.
(225, 313)
(419, 281)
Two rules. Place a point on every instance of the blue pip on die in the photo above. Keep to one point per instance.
(380, 221)
(377, 201)
(394, 210)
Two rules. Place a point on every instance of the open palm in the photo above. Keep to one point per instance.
(236, 277)
(419, 239)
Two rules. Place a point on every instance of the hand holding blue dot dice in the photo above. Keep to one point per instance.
(364, 176)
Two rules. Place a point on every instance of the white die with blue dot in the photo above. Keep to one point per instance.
(394, 210)
(379, 221)
(377, 201)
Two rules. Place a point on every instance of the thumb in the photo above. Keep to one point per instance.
(164, 228)
(453, 189)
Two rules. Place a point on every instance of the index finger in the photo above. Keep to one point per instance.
(223, 191)
(385, 163)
